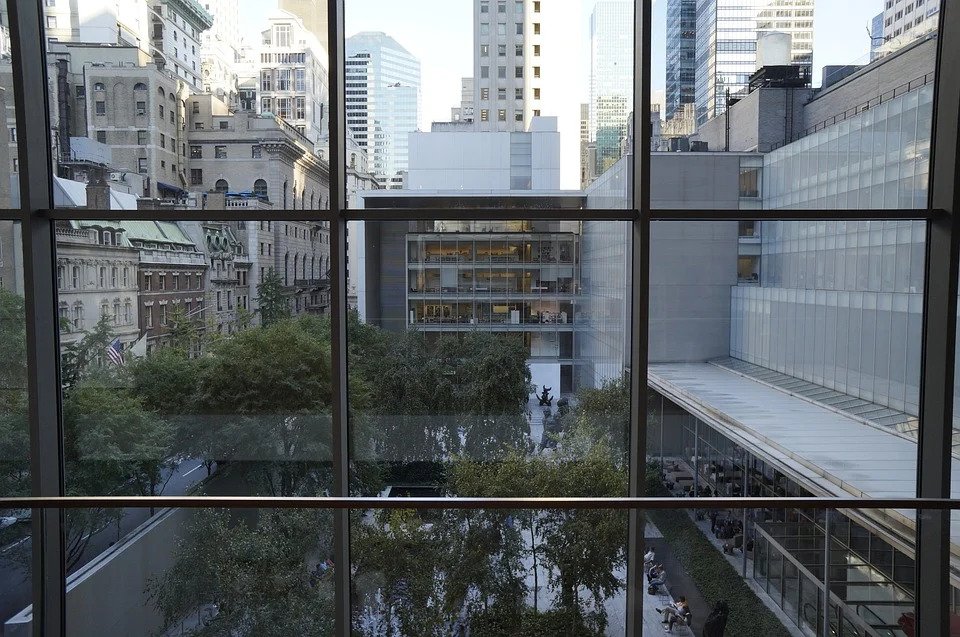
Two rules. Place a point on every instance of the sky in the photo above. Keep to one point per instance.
(444, 44)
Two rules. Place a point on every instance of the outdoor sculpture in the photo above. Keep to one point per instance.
(545, 398)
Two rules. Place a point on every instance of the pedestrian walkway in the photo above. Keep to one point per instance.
(678, 583)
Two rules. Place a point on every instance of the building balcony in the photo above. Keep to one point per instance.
(311, 283)
(249, 203)
(172, 257)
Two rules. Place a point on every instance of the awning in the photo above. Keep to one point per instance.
(173, 189)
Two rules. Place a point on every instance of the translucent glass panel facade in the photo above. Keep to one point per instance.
(879, 158)
(839, 304)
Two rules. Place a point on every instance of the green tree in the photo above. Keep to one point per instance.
(251, 576)
(427, 397)
(266, 393)
(111, 443)
(14, 429)
(87, 356)
(184, 331)
(272, 298)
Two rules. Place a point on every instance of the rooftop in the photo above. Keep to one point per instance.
(831, 453)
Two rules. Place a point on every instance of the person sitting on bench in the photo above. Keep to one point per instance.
(649, 556)
(676, 613)
(657, 578)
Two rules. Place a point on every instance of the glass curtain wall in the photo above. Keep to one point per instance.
(439, 256)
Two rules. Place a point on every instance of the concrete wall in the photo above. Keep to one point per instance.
(693, 266)
(453, 161)
(708, 181)
(764, 119)
(107, 596)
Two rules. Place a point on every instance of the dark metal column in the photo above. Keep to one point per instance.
(939, 338)
(639, 303)
(825, 632)
(338, 313)
(39, 249)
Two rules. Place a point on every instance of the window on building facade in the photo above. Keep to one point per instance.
(100, 107)
(196, 176)
(220, 152)
(260, 189)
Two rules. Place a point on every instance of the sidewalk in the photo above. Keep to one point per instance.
(678, 583)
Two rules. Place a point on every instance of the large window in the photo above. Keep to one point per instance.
(724, 277)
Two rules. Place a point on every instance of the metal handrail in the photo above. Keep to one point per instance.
(575, 503)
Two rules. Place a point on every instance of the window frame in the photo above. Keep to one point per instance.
(942, 255)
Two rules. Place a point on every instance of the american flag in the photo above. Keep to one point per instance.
(115, 352)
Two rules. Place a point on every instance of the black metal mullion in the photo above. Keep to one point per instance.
(789, 214)
(338, 312)
(938, 348)
(506, 213)
(846, 503)
(639, 192)
(188, 214)
(42, 330)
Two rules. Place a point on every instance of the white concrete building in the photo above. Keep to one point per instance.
(452, 159)
(96, 277)
(176, 30)
(169, 31)
(290, 65)
(506, 63)
(905, 21)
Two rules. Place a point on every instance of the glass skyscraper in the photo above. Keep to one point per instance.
(726, 44)
(383, 101)
(611, 78)
(681, 55)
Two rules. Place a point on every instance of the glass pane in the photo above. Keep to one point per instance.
(487, 340)
(15, 524)
(489, 572)
(818, 323)
(194, 360)
(189, 105)
(209, 571)
(815, 118)
(510, 95)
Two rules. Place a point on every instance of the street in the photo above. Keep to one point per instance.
(15, 593)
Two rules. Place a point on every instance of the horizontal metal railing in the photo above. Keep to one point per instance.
(575, 503)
